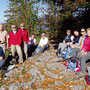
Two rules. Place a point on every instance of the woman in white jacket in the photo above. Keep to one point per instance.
(43, 44)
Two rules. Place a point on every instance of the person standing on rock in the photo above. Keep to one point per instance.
(24, 35)
(42, 44)
(3, 37)
(15, 44)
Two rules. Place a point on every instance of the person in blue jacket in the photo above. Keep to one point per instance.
(2, 56)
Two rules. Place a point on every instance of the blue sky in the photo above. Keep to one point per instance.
(3, 7)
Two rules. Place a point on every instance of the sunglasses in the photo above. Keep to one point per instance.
(82, 31)
(13, 27)
(22, 26)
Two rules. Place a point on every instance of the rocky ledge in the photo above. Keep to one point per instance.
(43, 72)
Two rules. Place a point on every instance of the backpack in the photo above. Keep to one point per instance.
(67, 52)
(73, 64)
(88, 77)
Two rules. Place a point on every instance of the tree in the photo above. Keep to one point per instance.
(67, 14)
(22, 11)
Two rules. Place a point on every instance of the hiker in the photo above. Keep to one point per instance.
(66, 42)
(24, 35)
(31, 44)
(2, 56)
(84, 53)
(15, 44)
(3, 37)
(81, 40)
(76, 39)
(43, 44)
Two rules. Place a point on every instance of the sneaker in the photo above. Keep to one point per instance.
(58, 52)
(81, 73)
(20, 62)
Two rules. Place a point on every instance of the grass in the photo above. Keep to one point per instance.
(38, 61)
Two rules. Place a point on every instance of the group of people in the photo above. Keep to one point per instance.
(18, 40)
(80, 46)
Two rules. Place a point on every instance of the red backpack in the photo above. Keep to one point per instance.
(88, 76)
(88, 79)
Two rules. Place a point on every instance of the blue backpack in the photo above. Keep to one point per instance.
(74, 64)
(67, 52)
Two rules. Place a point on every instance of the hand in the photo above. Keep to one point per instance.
(85, 53)
(42, 46)
(63, 41)
(1, 58)
(29, 43)
(68, 43)
(7, 46)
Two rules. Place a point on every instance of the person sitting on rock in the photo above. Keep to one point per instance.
(66, 42)
(31, 44)
(2, 56)
(42, 45)
(15, 44)
(84, 53)
(81, 39)
(75, 41)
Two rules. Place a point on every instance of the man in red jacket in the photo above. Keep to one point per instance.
(24, 35)
(84, 53)
(15, 44)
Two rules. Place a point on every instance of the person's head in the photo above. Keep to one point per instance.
(68, 32)
(76, 33)
(43, 35)
(88, 32)
(13, 27)
(83, 31)
(33, 36)
(22, 26)
(1, 27)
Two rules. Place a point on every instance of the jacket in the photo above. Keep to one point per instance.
(82, 41)
(76, 39)
(24, 35)
(86, 45)
(69, 38)
(14, 39)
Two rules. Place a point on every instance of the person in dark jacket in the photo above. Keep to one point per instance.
(2, 56)
(66, 42)
(76, 39)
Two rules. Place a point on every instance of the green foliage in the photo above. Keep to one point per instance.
(22, 11)
(67, 14)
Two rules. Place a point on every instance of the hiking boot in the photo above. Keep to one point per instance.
(20, 62)
(58, 52)
(13, 61)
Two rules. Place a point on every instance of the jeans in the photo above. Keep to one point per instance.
(31, 49)
(2, 63)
